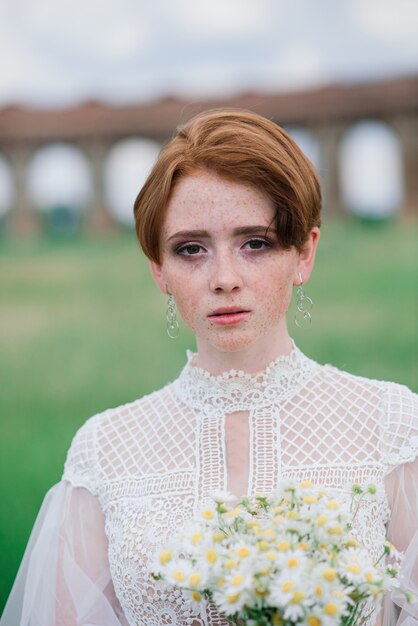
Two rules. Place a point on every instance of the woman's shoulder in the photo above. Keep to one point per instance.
(102, 433)
(393, 404)
(391, 392)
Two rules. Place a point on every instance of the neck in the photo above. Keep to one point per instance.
(252, 359)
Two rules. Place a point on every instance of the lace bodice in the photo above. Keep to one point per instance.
(150, 462)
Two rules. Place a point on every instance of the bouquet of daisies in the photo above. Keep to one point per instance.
(282, 560)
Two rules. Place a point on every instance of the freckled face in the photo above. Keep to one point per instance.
(231, 282)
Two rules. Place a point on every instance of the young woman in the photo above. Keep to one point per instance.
(229, 218)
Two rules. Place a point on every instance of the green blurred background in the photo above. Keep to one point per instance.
(83, 329)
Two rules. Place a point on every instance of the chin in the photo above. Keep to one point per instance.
(234, 342)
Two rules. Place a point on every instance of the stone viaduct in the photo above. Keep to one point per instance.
(94, 128)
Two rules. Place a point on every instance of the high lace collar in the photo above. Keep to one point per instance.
(235, 390)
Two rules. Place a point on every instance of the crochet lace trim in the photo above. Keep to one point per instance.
(236, 390)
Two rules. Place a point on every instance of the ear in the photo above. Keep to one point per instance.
(307, 256)
(156, 271)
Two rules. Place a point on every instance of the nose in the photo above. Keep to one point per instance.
(225, 276)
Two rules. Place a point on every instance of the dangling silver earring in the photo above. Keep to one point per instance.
(304, 306)
(172, 323)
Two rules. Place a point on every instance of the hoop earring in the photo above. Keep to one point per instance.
(304, 306)
(171, 315)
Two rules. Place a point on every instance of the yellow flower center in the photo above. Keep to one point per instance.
(208, 514)
(196, 596)
(259, 592)
(243, 552)
(321, 520)
(196, 538)
(330, 609)
(309, 499)
(230, 563)
(319, 591)
(352, 543)
(306, 484)
(218, 537)
(211, 556)
(237, 580)
(313, 621)
(165, 556)
(287, 586)
(283, 546)
(303, 545)
(178, 575)
(194, 579)
(234, 512)
(232, 597)
(292, 515)
(297, 597)
(292, 563)
(333, 504)
(269, 532)
(336, 530)
(353, 568)
(252, 523)
(329, 574)
(369, 577)
(271, 556)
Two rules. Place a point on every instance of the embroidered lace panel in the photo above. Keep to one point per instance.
(152, 461)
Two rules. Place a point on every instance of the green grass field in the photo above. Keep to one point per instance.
(82, 328)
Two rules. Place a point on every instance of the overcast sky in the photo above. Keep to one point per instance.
(59, 52)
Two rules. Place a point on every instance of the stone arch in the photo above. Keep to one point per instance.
(371, 169)
(59, 184)
(309, 143)
(126, 167)
(7, 187)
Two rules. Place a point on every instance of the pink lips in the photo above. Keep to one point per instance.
(228, 316)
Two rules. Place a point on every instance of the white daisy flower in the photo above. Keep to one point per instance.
(229, 601)
(195, 599)
(222, 496)
(293, 560)
(240, 580)
(334, 606)
(353, 565)
(284, 586)
(177, 572)
(207, 513)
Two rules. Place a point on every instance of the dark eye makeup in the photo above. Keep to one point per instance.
(193, 249)
(188, 249)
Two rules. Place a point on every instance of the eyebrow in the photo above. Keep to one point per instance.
(242, 230)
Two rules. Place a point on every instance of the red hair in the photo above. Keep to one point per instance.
(241, 146)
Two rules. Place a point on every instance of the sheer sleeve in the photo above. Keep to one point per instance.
(64, 578)
(402, 491)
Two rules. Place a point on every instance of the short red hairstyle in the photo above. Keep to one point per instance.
(241, 146)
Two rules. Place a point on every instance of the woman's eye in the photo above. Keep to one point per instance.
(190, 249)
(257, 244)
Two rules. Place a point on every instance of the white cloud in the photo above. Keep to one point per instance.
(60, 52)
(390, 20)
(107, 31)
(220, 18)
(299, 65)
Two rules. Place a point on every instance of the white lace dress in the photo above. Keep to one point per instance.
(133, 475)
